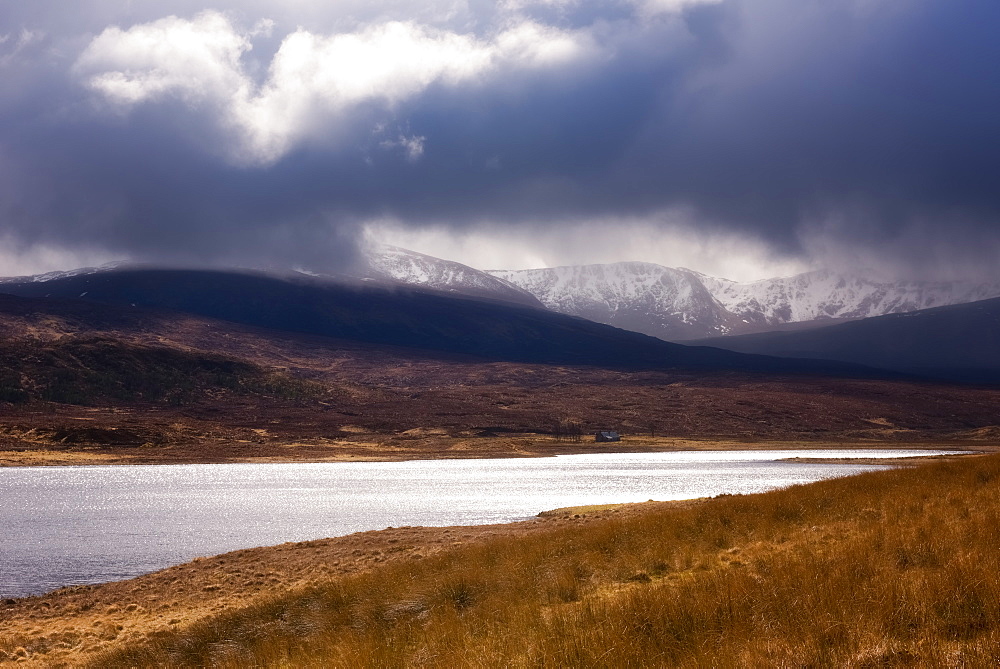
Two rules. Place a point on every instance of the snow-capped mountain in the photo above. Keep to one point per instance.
(679, 304)
(640, 296)
(675, 304)
(396, 264)
(823, 294)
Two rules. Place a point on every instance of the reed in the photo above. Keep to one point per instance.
(892, 568)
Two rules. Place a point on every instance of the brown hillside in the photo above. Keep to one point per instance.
(390, 402)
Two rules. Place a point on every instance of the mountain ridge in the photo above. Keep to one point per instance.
(673, 304)
(682, 304)
(410, 267)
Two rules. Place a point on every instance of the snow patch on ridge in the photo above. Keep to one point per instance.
(684, 304)
(638, 296)
(49, 276)
(410, 267)
(823, 294)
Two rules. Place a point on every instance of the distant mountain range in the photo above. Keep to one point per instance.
(677, 304)
(680, 304)
(674, 304)
(417, 301)
(948, 330)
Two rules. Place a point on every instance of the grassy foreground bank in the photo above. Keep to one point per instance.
(892, 568)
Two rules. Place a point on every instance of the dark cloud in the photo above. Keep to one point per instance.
(844, 127)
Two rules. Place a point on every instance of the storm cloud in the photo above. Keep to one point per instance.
(273, 134)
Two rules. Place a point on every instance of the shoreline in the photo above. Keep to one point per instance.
(71, 625)
(549, 517)
(576, 511)
(906, 461)
(580, 511)
(454, 448)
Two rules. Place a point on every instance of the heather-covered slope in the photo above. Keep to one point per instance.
(204, 390)
(101, 370)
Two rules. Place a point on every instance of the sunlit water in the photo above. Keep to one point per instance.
(69, 525)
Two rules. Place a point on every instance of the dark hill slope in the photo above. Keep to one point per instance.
(403, 317)
(101, 370)
(959, 342)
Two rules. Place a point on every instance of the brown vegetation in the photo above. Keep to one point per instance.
(894, 568)
(91, 383)
(70, 626)
(337, 400)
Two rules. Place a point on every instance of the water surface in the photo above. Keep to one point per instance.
(69, 525)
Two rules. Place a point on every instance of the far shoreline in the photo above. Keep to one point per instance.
(454, 448)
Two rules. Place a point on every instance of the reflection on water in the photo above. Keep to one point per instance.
(67, 525)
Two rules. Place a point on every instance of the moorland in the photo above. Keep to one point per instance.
(891, 568)
(887, 569)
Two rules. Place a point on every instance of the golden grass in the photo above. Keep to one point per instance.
(577, 510)
(895, 568)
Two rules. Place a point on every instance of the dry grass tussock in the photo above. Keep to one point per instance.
(894, 568)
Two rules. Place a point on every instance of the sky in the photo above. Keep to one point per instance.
(741, 138)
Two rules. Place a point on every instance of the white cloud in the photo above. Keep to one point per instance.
(534, 44)
(197, 60)
(313, 82)
(263, 28)
(413, 146)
